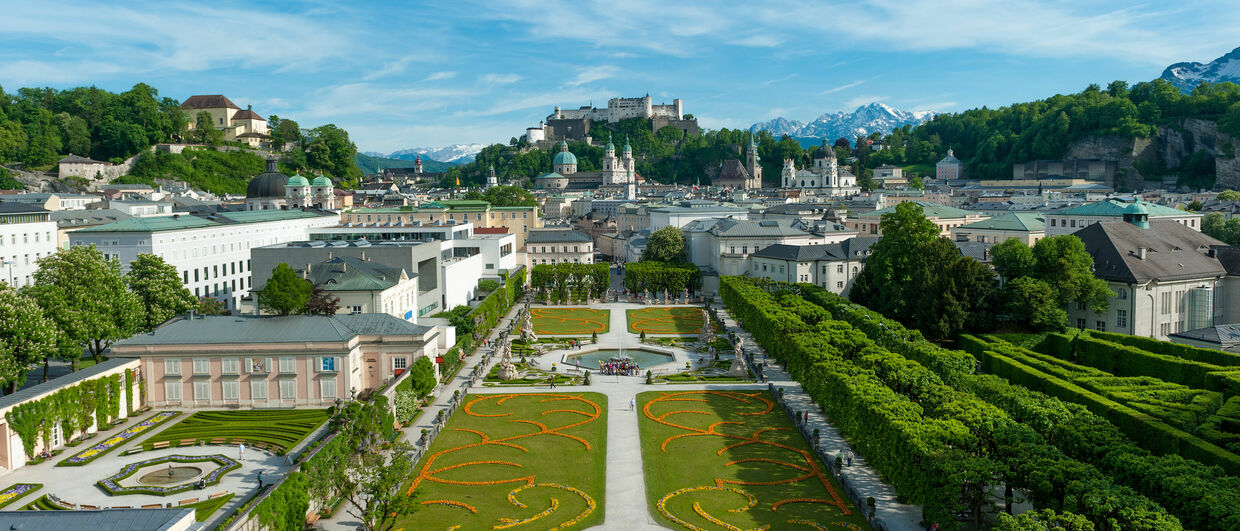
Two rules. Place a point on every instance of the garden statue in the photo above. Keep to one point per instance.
(706, 335)
(527, 328)
(685, 295)
(646, 296)
(737, 369)
(665, 297)
(507, 371)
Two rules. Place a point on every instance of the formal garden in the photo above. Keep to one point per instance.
(277, 430)
(665, 320)
(733, 460)
(570, 321)
(529, 461)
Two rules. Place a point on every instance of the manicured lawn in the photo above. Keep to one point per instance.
(682, 320)
(569, 321)
(718, 459)
(204, 509)
(43, 503)
(281, 428)
(534, 458)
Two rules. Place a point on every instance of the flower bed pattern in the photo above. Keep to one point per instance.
(537, 426)
(673, 320)
(760, 459)
(569, 321)
(16, 491)
(90, 454)
(111, 484)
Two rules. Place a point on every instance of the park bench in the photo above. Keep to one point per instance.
(187, 501)
(89, 508)
(122, 507)
(218, 440)
(188, 442)
(153, 506)
(218, 494)
(160, 445)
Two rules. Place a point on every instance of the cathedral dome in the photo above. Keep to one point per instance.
(297, 180)
(564, 157)
(265, 185)
(321, 181)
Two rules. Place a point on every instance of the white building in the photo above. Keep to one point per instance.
(1071, 219)
(26, 235)
(724, 245)
(833, 266)
(54, 201)
(212, 253)
(621, 108)
(825, 178)
(363, 286)
(559, 246)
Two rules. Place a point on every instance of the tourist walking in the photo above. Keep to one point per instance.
(553, 381)
(241, 451)
(632, 404)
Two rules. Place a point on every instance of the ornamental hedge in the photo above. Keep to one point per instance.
(658, 277)
(941, 448)
(1204, 355)
(1126, 360)
(1199, 494)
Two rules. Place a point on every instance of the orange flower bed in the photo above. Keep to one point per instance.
(453, 503)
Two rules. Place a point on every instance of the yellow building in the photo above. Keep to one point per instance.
(238, 125)
(519, 220)
(1024, 226)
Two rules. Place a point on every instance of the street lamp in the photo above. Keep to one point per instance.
(10, 264)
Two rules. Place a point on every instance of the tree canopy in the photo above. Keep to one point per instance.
(160, 289)
(285, 293)
(1040, 282)
(27, 337)
(88, 298)
(665, 245)
(509, 196)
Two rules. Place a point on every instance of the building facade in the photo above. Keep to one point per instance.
(945, 217)
(519, 220)
(27, 234)
(1074, 218)
(833, 266)
(949, 168)
(824, 178)
(1026, 227)
(559, 246)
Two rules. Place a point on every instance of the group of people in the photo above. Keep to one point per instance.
(574, 344)
(619, 368)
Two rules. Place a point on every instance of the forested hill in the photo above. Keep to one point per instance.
(987, 140)
(39, 126)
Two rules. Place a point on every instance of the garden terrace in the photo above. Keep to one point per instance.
(509, 460)
(1201, 496)
(672, 320)
(278, 430)
(732, 460)
(570, 321)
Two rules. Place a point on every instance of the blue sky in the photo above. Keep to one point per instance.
(410, 74)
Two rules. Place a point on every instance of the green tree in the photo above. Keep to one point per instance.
(665, 245)
(204, 129)
(1063, 263)
(26, 337)
(1228, 195)
(917, 184)
(422, 376)
(88, 298)
(361, 469)
(1043, 520)
(377, 497)
(329, 150)
(159, 287)
(1035, 302)
(508, 196)
(1012, 258)
(285, 292)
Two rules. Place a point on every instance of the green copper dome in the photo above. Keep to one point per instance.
(1136, 208)
(321, 181)
(297, 180)
(564, 156)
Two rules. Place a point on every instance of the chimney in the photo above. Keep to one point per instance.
(189, 314)
(985, 254)
(1141, 253)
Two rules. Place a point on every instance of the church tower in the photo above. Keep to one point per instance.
(612, 171)
(417, 164)
(789, 174)
(626, 160)
(751, 164)
(492, 180)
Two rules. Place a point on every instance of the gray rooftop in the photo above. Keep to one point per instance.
(556, 236)
(28, 393)
(226, 329)
(86, 218)
(102, 520)
(850, 249)
(1173, 252)
(1225, 335)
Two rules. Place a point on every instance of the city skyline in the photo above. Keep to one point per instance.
(398, 76)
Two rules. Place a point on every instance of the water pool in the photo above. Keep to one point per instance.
(643, 358)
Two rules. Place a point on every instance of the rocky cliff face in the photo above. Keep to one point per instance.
(1169, 148)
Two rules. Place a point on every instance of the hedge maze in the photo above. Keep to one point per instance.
(276, 429)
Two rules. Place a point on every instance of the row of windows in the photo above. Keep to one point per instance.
(209, 272)
(553, 261)
(1072, 223)
(202, 366)
(1121, 322)
(47, 237)
(258, 390)
(543, 249)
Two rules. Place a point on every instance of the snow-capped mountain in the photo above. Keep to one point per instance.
(1188, 75)
(456, 153)
(868, 118)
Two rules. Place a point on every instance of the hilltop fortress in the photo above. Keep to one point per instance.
(574, 124)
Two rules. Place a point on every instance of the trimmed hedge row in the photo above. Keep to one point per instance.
(284, 428)
(938, 446)
(1203, 355)
(1200, 495)
(1018, 366)
(1126, 360)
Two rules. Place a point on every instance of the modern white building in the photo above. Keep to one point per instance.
(54, 201)
(26, 235)
(212, 253)
(724, 245)
(559, 246)
(833, 266)
(1074, 218)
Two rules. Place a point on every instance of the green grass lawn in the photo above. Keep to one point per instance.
(570, 321)
(42, 503)
(283, 428)
(682, 320)
(204, 509)
(537, 439)
(724, 473)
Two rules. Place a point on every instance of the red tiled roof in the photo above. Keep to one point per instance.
(490, 230)
(209, 101)
(247, 114)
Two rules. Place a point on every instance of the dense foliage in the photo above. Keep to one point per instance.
(27, 337)
(665, 245)
(285, 292)
(159, 287)
(473, 325)
(1041, 281)
(570, 282)
(657, 277)
(74, 408)
(504, 196)
(88, 298)
(920, 278)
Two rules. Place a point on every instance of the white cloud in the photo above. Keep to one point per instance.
(841, 87)
(853, 103)
(770, 82)
(438, 76)
(593, 74)
(500, 79)
(390, 68)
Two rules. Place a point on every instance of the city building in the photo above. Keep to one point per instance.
(723, 245)
(619, 173)
(833, 266)
(949, 168)
(84, 167)
(1085, 169)
(947, 218)
(210, 252)
(1219, 337)
(1024, 226)
(267, 361)
(54, 202)
(27, 234)
(559, 246)
(733, 174)
(576, 124)
(363, 286)
(70, 220)
(1167, 277)
(1073, 218)
(237, 124)
(519, 220)
(824, 178)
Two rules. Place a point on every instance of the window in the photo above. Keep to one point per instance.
(1080, 305)
(1101, 326)
(202, 366)
(230, 390)
(202, 390)
(328, 388)
(839, 285)
(1164, 328)
(172, 367)
(172, 391)
(400, 363)
(258, 390)
(1165, 300)
(1121, 318)
(256, 365)
(1080, 323)
(288, 389)
(327, 364)
(356, 309)
(838, 268)
(287, 365)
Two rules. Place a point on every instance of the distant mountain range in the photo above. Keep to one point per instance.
(456, 153)
(868, 118)
(373, 163)
(1188, 75)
